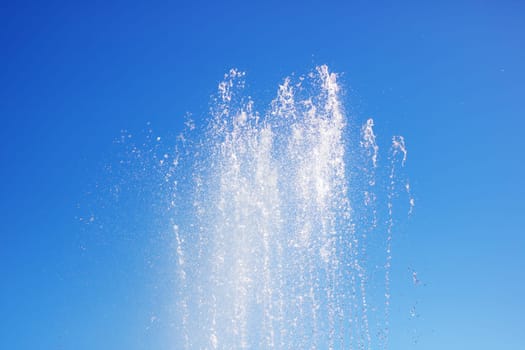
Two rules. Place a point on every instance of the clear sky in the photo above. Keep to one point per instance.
(448, 75)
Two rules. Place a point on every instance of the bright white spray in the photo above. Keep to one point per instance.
(266, 242)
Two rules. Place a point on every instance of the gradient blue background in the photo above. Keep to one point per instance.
(447, 75)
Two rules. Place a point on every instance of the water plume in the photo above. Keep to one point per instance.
(271, 214)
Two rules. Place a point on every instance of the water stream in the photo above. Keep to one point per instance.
(273, 220)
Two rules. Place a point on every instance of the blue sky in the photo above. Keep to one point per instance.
(449, 76)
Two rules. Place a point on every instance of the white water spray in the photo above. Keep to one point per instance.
(271, 250)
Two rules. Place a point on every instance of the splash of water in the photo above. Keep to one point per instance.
(271, 226)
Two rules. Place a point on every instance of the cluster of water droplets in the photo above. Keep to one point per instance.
(272, 216)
